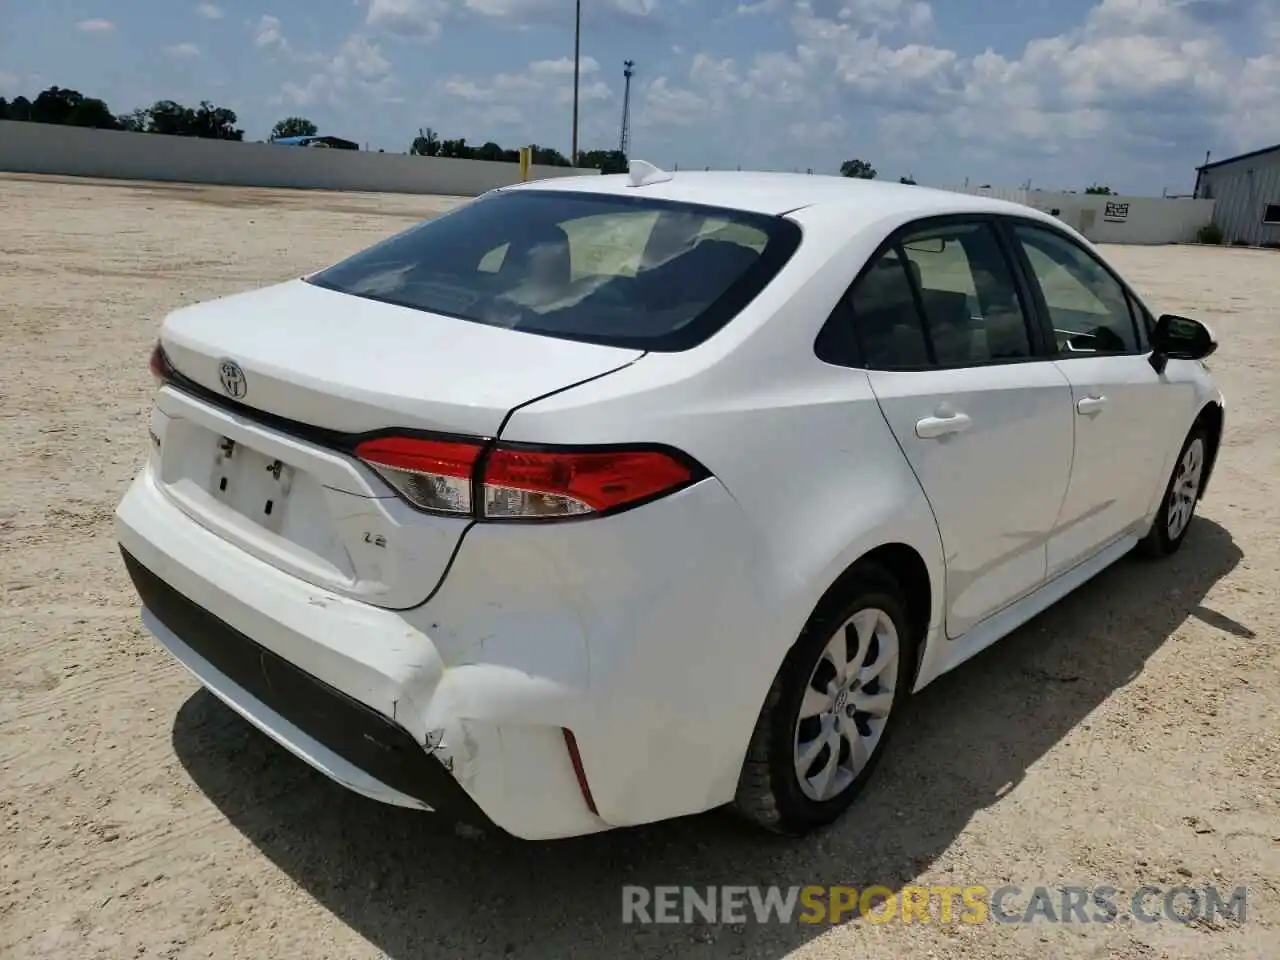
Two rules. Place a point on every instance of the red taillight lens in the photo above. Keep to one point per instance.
(522, 483)
(431, 474)
(158, 363)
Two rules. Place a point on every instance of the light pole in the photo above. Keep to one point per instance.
(577, 50)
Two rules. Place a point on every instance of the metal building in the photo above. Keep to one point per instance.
(1246, 195)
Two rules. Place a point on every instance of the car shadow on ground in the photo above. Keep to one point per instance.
(409, 884)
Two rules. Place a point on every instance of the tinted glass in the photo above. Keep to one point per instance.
(971, 304)
(888, 323)
(627, 271)
(1087, 305)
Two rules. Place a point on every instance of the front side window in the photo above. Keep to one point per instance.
(618, 270)
(1088, 307)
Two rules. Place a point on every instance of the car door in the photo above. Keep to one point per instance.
(1128, 418)
(982, 416)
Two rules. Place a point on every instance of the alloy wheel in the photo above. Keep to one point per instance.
(846, 704)
(1185, 488)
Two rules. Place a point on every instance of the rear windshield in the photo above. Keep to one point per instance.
(618, 270)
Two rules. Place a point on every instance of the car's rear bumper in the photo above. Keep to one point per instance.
(341, 737)
(357, 691)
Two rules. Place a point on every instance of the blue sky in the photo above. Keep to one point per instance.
(1060, 92)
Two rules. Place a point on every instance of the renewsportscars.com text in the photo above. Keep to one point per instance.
(972, 904)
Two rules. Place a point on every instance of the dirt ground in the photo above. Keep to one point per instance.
(1129, 736)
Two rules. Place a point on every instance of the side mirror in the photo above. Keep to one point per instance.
(1180, 338)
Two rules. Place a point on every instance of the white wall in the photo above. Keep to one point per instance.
(1144, 220)
(116, 155)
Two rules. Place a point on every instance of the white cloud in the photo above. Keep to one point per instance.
(95, 26)
(358, 66)
(529, 103)
(267, 33)
(1138, 80)
(529, 11)
(665, 104)
(420, 19)
(541, 82)
(208, 11)
(564, 67)
(914, 15)
(183, 51)
(359, 57)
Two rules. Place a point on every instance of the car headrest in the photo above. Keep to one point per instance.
(545, 251)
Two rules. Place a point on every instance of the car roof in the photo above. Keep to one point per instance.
(780, 193)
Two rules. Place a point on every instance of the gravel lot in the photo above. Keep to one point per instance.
(1129, 736)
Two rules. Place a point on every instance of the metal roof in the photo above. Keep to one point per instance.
(1243, 156)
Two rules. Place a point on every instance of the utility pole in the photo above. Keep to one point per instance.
(577, 66)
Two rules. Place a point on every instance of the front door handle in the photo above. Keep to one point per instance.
(1088, 406)
(931, 428)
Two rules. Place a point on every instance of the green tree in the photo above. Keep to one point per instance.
(426, 144)
(20, 109)
(216, 123)
(55, 105)
(858, 169)
(1100, 191)
(456, 149)
(491, 151)
(293, 127)
(606, 161)
(549, 156)
(207, 121)
(71, 108)
(170, 118)
(135, 122)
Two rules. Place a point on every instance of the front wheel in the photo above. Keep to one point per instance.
(1173, 520)
(825, 721)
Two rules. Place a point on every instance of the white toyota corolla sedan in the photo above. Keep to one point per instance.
(610, 499)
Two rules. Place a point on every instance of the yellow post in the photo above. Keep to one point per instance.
(526, 154)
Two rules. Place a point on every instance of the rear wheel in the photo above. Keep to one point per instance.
(1180, 497)
(824, 724)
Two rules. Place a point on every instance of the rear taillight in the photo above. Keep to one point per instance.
(158, 364)
(519, 482)
(432, 475)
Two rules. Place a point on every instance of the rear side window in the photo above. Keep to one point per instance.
(888, 322)
(617, 270)
(944, 296)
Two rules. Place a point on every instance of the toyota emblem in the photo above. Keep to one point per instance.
(232, 377)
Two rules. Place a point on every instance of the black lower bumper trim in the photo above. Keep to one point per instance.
(355, 732)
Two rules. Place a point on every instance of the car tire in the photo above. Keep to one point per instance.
(770, 792)
(1181, 494)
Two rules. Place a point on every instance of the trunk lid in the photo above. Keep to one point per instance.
(349, 364)
(346, 365)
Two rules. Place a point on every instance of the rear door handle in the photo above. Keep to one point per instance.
(931, 428)
(1087, 406)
